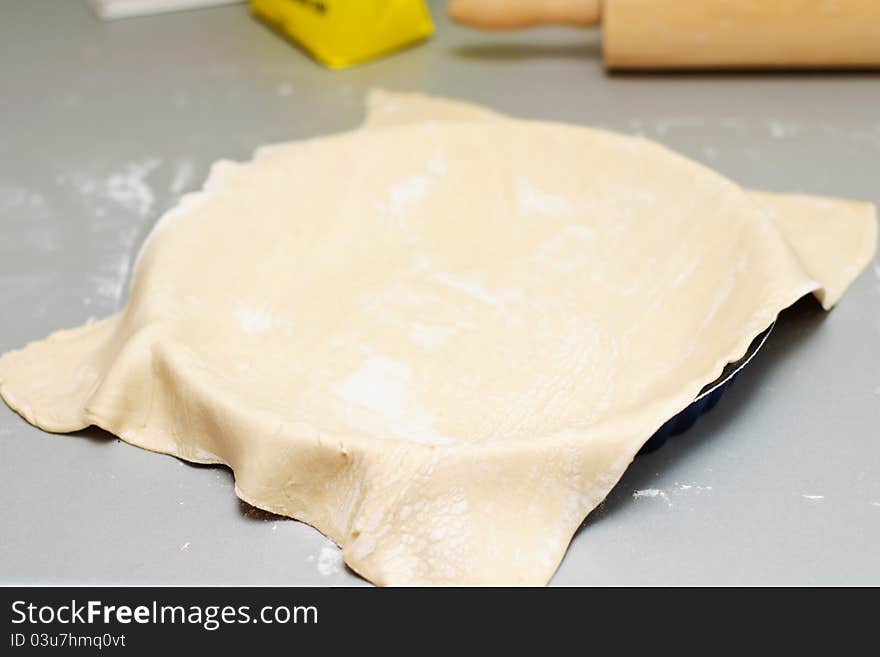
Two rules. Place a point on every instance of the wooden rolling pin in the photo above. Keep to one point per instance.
(671, 34)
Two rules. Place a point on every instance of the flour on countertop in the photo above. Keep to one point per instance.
(647, 492)
(783, 129)
(675, 490)
(183, 176)
(710, 153)
(19, 198)
(652, 493)
(774, 127)
(126, 187)
(813, 497)
(26, 213)
(118, 202)
(683, 488)
(329, 560)
(109, 281)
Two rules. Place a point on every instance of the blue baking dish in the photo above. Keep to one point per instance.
(706, 400)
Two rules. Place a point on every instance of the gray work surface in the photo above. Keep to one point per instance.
(104, 125)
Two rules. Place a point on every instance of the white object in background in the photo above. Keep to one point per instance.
(110, 9)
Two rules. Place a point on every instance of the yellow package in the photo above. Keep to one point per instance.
(340, 33)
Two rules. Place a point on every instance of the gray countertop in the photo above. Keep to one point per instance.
(104, 125)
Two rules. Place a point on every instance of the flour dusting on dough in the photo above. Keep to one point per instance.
(531, 199)
(685, 274)
(405, 194)
(437, 164)
(476, 290)
(253, 320)
(567, 250)
(431, 337)
(384, 387)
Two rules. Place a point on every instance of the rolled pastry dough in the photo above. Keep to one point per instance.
(439, 339)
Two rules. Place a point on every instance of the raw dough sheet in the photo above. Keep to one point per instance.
(439, 339)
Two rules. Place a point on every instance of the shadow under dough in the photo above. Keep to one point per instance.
(793, 329)
(524, 50)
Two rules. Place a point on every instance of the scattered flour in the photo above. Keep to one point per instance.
(437, 165)
(183, 176)
(652, 493)
(710, 153)
(184, 547)
(648, 492)
(118, 202)
(782, 129)
(476, 290)
(19, 198)
(26, 213)
(677, 489)
(405, 194)
(813, 497)
(684, 488)
(127, 188)
(533, 200)
(685, 274)
(285, 89)
(567, 250)
(329, 560)
(254, 320)
(381, 390)
(111, 275)
(431, 337)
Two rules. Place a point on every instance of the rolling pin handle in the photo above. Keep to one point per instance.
(519, 14)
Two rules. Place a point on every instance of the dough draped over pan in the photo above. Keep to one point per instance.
(439, 339)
